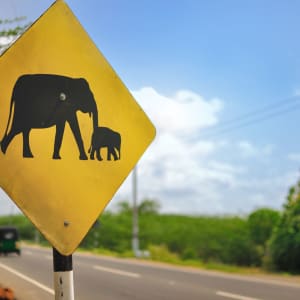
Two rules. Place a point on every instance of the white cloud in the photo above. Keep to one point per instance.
(247, 149)
(182, 173)
(5, 42)
(226, 167)
(294, 157)
(197, 176)
(174, 169)
(184, 113)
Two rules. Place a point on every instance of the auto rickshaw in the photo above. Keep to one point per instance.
(9, 240)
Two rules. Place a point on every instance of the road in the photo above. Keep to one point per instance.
(101, 278)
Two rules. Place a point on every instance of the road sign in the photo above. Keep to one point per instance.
(59, 98)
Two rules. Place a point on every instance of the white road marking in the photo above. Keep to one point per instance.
(234, 296)
(187, 270)
(244, 278)
(34, 282)
(27, 252)
(117, 271)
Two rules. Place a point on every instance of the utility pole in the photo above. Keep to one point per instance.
(135, 220)
(11, 214)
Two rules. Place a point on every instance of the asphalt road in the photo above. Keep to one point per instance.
(101, 278)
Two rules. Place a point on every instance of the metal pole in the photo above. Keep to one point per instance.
(36, 236)
(135, 221)
(63, 276)
(11, 214)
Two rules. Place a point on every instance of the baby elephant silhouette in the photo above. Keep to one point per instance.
(104, 137)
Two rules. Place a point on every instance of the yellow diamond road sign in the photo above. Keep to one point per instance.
(70, 130)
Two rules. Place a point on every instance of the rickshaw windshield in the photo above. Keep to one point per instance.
(8, 233)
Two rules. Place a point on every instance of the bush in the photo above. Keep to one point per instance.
(284, 247)
(261, 223)
(162, 253)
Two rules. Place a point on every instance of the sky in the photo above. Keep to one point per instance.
(220, 80)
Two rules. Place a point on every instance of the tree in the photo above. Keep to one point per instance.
(284, 245)
(124, 207)
(261, 223)
(8, 34)
(149, 206)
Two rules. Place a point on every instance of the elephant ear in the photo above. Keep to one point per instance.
(62, 96)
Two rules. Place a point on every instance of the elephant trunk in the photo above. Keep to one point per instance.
(95, 117)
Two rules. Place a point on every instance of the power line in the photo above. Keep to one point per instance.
(275, 105)
(260, 115)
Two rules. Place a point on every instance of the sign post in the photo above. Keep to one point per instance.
(70, 133)
(63, 276)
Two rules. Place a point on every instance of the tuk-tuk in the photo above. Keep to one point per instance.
(9, 240)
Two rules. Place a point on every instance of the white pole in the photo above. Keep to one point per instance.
(63, 285)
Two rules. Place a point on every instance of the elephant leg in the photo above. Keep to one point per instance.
(99, 154)
(114, 153)
(26, 146)
(93, 150)
(76, 132)
(111, 151)
(60, 128)
(119, 152)
(6, 140)
(108, 153)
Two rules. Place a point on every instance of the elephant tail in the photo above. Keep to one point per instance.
(8, 122)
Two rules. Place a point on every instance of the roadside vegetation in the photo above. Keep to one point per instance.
(265, 239)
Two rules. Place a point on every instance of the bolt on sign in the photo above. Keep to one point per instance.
(70, 130)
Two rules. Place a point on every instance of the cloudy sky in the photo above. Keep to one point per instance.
(221, 82)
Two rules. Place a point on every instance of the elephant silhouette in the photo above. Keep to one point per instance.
(45, 100)
(104, 137)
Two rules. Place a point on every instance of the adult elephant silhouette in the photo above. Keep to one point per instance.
(45, 100)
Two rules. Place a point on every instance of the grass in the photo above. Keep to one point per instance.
(163, 255)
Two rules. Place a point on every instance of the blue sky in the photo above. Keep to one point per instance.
(193, 65)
